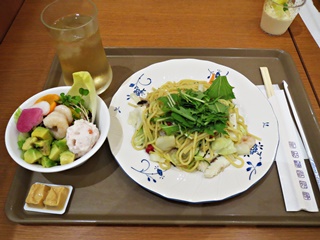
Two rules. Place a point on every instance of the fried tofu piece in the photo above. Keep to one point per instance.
(37, 194)
(56, 197)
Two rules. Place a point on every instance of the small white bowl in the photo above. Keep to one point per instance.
(102, 122)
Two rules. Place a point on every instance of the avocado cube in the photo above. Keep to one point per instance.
(47, 162)
(22, 137)
(29, 143)
(20, 144)
(54, 153)
(42, 133)
(67, 157)
(44, 146)
(61, 144)
(39, 143)
(32, 155)
(57, 147)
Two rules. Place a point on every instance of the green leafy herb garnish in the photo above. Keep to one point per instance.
(285, 7)
(76, 104)
(190, 111)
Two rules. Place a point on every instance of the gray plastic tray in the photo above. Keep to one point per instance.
(104, 194)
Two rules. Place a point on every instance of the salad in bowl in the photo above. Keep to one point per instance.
(59, 128)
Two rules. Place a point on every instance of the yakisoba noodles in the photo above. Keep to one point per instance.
(189, 150)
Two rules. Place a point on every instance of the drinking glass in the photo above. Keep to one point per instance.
(277, 15)
(73, 25)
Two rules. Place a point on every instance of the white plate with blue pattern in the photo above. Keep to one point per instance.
(176, 184)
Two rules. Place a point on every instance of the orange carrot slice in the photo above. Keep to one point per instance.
(212, 78)
(51, 99)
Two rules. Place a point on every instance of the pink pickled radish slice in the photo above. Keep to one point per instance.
(29, 118)
(44, 106)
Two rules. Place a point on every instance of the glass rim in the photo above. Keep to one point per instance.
(95, 11)
(288, 6)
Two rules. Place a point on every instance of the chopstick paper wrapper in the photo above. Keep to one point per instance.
(311, 18)
(294, 178)
(302, 134)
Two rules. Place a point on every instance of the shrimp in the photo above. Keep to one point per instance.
(65, 111)
(57, 124)
(243, 147)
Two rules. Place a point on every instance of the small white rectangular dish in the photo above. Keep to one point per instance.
(60, 211)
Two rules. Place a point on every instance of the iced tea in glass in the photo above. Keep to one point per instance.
(74, 27)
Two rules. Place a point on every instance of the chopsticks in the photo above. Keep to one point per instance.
(293, 193)
(270, 92)
(267, 81)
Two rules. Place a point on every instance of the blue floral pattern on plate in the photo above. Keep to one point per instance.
(150, 174)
